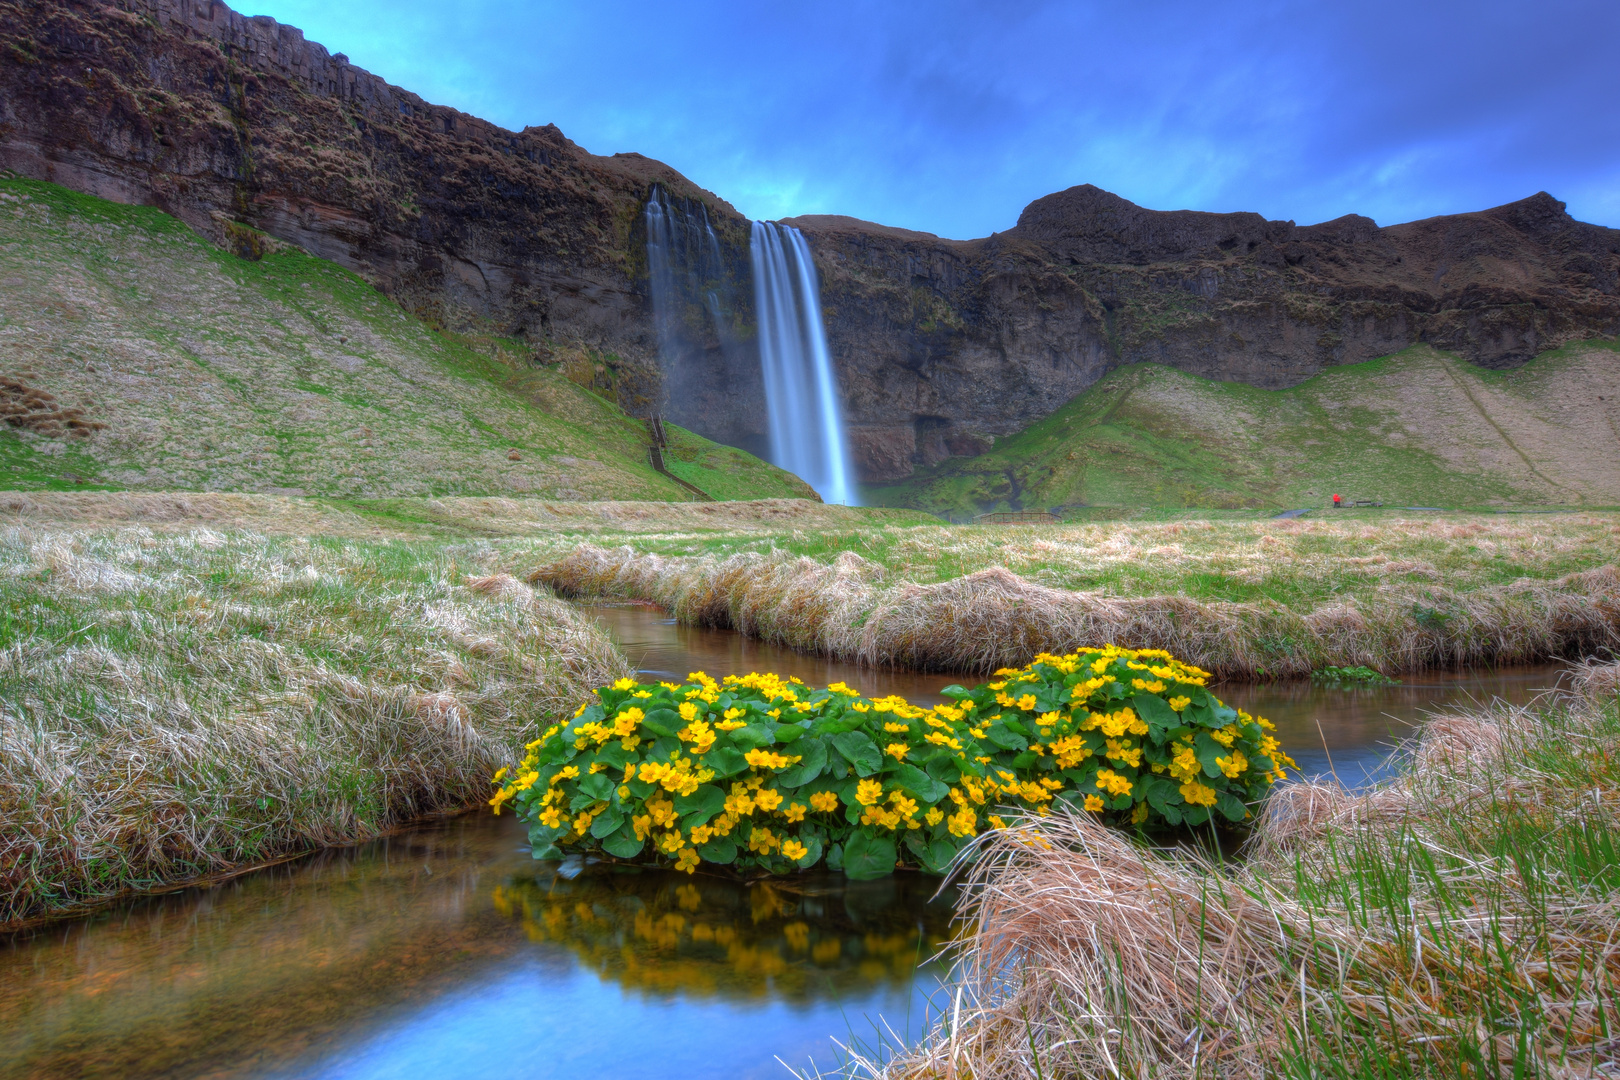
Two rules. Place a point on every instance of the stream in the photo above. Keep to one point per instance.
(445, 951)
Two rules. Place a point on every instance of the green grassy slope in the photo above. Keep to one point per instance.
(1416, 428)
(207, 372)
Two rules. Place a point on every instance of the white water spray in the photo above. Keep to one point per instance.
(801, 392)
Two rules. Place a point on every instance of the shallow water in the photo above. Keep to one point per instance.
(1350, 732)
(445, 951)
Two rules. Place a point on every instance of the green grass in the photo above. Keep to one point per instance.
(724, 472)
(286, 374)
(1416, 428)
(176, 706)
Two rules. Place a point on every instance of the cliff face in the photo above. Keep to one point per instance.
(218, 118)
(946, 344)
(941, 345)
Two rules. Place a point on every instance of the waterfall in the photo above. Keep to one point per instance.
(801, 392)
(684, 264)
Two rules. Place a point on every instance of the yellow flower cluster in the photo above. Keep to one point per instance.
(759, 771)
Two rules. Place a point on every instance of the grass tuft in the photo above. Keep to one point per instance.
(1456, 921)
(173, 706)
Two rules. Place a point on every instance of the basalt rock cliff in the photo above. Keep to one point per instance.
(237, 124)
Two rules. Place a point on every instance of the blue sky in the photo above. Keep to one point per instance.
(949, 116)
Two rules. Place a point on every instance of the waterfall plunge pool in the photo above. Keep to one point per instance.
(444, 950)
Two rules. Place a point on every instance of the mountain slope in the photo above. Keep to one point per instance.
(136, 355)
(1419, 427)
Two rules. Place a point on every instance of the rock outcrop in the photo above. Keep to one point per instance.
(942, 346)
(945, 345)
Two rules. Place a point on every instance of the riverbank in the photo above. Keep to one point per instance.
(1455, 921)
(192, 683)
(175, 706)
(1245, 599)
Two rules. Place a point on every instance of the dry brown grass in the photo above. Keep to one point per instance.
(1459, 921)
(853, 608)
(173, 706)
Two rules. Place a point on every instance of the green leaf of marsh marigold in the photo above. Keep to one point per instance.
(867, 858)
(597, 785)
(549, 852)
(624, 844)
(662, 722)
(919, 783)
(725, 761)
(607, 822)
(815, 760)
(722, 851)
(1000, 734)
(812, 854)
(707, 800)
(1231, 806)
(1156, 713)
(754, 736)
(859, 750)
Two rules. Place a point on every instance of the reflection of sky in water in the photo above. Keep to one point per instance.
(446, 951)
(533, 1022)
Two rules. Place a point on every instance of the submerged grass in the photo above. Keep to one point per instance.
(173, 706)
(1460, 920)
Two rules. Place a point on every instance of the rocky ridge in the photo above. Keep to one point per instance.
(942, 346)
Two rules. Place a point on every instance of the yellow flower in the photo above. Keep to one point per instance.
(794, 850)
(768, 799)
(1027, 701)
(1178, 703)
(1198, 794)
(764, 759)
(624, 684)
(762, 840)
(896, 729)
(1094, 803)
(702, 834)
(995, 822)
(689, 711)
(824, 801)
(794, 812)
(963, 822)
(934, 816)
(687, 861)
(897, 750)
(1113, 783)
(868, 792)
(1233, 764)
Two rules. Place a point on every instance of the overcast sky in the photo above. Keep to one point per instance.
(949, 116)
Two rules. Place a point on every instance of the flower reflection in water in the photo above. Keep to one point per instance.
(805, 938)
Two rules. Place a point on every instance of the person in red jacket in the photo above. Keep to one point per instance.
(1336, 503)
